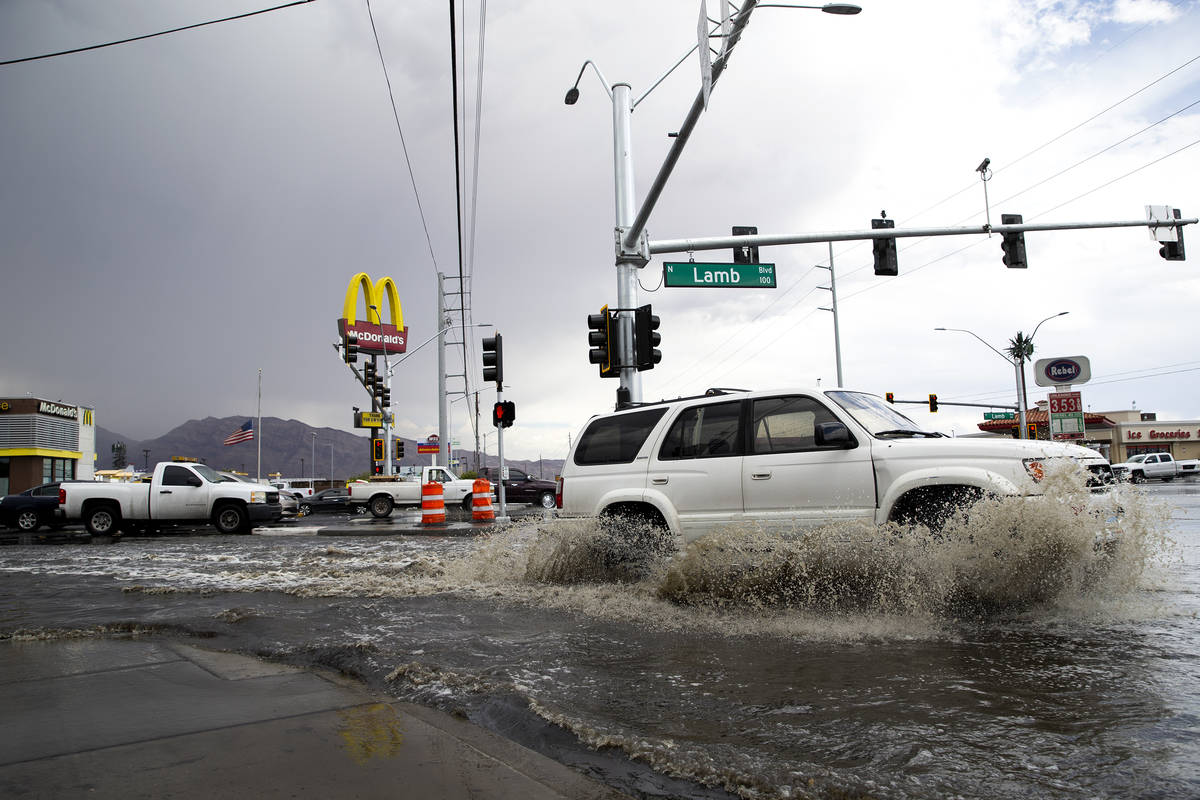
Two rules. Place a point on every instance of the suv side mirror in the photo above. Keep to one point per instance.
(833, 434)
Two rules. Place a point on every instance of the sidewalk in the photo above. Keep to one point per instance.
(130, 719)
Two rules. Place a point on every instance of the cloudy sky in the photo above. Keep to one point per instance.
(181, 211)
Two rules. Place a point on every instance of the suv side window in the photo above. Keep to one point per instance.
(616, 439)
(176, 476)
(787, 424)
(704, 431)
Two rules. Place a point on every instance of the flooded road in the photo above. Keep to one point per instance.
(1010, 658)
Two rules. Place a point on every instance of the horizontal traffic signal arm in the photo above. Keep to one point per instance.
(766, 240)
(925, 402)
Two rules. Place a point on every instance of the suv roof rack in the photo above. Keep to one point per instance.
(713, 392)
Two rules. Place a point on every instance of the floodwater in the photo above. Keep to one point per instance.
(1011, 657)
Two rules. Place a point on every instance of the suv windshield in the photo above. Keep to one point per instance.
(877, 416)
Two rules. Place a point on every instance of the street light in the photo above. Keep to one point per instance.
(633, 246)
(314, 458)
(1022, 347)
(1017, 369)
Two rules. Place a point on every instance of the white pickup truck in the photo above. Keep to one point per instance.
(1145, 466)
(175, 493)
(790, 458)
(382, 496)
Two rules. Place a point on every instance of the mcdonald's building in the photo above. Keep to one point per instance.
(43, 441)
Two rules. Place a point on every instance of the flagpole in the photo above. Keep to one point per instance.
(258, 477)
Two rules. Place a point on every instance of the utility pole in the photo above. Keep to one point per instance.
(443, 411)
(837, 337)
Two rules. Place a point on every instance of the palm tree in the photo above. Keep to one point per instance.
(1020, 347)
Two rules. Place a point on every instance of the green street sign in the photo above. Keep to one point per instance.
(697, 275)
(999, 415)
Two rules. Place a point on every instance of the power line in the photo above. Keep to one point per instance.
(396, 116)
(1115, 377)
(152, 35)
(1045, 144)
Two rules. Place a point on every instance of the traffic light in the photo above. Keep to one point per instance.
(399, 449)
(1013, 243)
(602, 340)
(377, 451)
(885, 249)
(504, 413)
(1031, 428)
(385, 397)
(745, 255)
(350, 347)
(1173, 251)
(369, 374)
(646, 338)
(891, 398)
(933, 403)
(493, 359)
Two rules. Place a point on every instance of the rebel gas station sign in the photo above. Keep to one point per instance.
(1066, 407)
(375, 337)
(1062, 371)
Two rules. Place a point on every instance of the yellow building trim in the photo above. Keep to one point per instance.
(40, 451)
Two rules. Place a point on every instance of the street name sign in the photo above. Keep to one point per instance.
(694, 274)
(999, 415)
(1066, 416)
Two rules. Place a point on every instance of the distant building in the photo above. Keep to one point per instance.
(43, 441)
(1117, 434)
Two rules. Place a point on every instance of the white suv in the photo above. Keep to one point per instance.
(790, 458)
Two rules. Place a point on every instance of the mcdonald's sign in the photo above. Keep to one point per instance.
(375, 337)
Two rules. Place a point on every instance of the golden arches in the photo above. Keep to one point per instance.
(375, 295)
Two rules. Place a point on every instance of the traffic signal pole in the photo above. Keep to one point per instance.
(628, 263)
(503, 515)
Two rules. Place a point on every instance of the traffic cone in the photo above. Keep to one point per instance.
(433, 504)
(481, 501)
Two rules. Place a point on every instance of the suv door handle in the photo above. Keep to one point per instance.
(760, 476)
(660, 481)
(164, 491)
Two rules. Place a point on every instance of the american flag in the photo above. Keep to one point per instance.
(242, 434)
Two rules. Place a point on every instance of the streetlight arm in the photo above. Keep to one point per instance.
(1047, 319)
(573, 92)
(392, 368)
(989, 347)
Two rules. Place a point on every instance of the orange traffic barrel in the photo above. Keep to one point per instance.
(433, 504)
(481, 501)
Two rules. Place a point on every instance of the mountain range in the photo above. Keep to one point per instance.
(288, 448)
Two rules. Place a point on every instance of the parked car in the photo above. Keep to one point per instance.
(1155, 465)
(289, 503)
(177, 493)
(326, 500)
(520, 487)
(32, 508)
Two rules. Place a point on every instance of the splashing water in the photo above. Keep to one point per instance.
(1001, 552)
